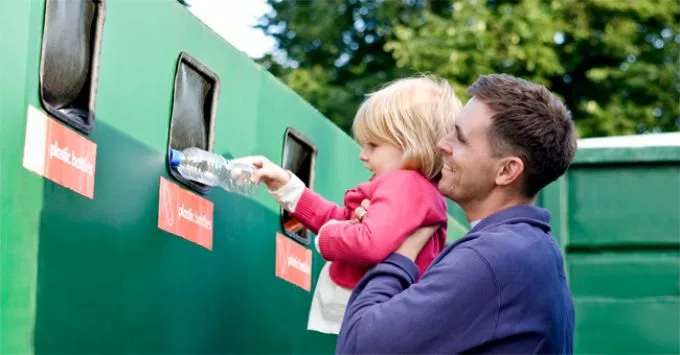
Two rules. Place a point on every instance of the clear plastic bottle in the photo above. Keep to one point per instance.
(213, 170)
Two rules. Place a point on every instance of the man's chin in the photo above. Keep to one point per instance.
(445, 187)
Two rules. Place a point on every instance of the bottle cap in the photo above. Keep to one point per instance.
(176, 157)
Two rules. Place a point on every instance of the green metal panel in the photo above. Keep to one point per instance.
(624, 204)
(624, 154)
(638, 326)
(625, 275)
(617, 216)
(18, 241)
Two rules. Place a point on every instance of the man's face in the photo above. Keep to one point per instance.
(469, 168)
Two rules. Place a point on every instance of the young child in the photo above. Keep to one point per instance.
(398, 128)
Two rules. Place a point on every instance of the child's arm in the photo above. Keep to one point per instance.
(314, 211)
(398, 207)
(290, 192)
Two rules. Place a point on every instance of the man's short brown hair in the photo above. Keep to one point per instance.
(530, 123)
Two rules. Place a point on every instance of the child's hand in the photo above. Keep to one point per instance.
(269, 173)
(360, 212)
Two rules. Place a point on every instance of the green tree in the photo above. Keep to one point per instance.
(615, 63)
(332, 53)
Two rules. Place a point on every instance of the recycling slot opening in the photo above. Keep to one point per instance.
(194, 106)
(70, 60)
(299, 156)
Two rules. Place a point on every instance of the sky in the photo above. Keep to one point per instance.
(232, 19)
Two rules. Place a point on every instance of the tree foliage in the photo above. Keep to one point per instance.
(614, 62)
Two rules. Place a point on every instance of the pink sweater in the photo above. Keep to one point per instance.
(401, 201)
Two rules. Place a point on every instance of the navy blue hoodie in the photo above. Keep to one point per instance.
(499, 289)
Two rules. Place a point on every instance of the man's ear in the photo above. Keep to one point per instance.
(510, 169)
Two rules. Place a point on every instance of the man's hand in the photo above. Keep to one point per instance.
(267, 172)
(415, 242)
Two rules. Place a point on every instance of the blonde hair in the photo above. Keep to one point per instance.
(413, 114)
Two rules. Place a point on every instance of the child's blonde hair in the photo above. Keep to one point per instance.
(413, 114)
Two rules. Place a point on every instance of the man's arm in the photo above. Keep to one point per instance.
(454, 306)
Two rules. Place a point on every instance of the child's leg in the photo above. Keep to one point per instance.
(328, 304)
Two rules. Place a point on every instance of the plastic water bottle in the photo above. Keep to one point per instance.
(213, 170)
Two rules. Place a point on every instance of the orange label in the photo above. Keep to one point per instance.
(185, 214)
(58, 153)
(293, 262)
